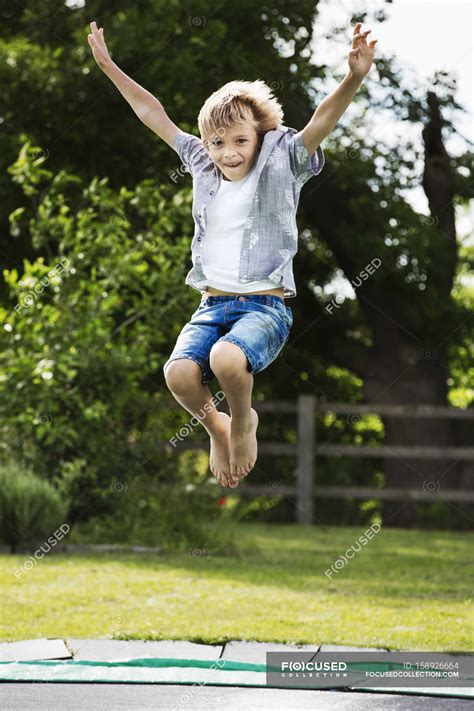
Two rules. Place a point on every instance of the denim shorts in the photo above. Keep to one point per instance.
(258, 323)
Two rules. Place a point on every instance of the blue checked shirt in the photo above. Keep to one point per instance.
(270, 239)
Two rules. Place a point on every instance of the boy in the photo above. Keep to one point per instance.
(248, 170)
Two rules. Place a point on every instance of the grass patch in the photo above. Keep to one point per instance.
(406, 590)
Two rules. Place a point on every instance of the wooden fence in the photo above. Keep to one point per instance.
(306, 451)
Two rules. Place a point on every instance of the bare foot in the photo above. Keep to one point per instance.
(243, 447)
(220, 451)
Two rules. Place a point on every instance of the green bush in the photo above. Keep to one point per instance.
(88, 326)
(30, 508)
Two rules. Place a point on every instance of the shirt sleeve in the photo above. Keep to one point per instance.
(303, 164)
(190, 149)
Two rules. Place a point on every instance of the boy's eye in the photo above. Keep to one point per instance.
(217, 143)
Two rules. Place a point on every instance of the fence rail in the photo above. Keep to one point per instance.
(306, 451)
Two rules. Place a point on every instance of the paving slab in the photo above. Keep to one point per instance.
(109, 650)
(28, 650)
(255, 652)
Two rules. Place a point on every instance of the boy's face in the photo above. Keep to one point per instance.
(237, 144)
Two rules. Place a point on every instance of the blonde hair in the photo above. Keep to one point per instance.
(249, 102)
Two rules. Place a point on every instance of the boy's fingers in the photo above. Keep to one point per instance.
(94, 29)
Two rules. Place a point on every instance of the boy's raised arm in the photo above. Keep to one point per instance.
(146, 106)
(333, 106)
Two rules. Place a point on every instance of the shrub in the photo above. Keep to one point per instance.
(31, 509)
(88, 325)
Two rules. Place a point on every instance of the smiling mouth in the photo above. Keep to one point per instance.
(232, 165)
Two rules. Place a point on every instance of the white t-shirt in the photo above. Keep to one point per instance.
(227, 214)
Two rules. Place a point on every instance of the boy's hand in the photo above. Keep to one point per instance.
(98, 46)
(362, 54)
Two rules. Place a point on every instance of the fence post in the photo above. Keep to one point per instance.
(305, 464)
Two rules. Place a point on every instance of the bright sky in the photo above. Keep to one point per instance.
(425, 36)
(431, 35)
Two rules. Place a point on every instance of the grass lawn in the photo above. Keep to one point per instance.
(408, 590)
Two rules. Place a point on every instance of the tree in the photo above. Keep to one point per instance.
(409, 321)
(376, 347)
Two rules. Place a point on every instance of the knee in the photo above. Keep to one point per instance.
(182, 374)
(227, 358)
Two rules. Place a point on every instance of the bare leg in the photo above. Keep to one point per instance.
(183, 378)
(229, 363)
